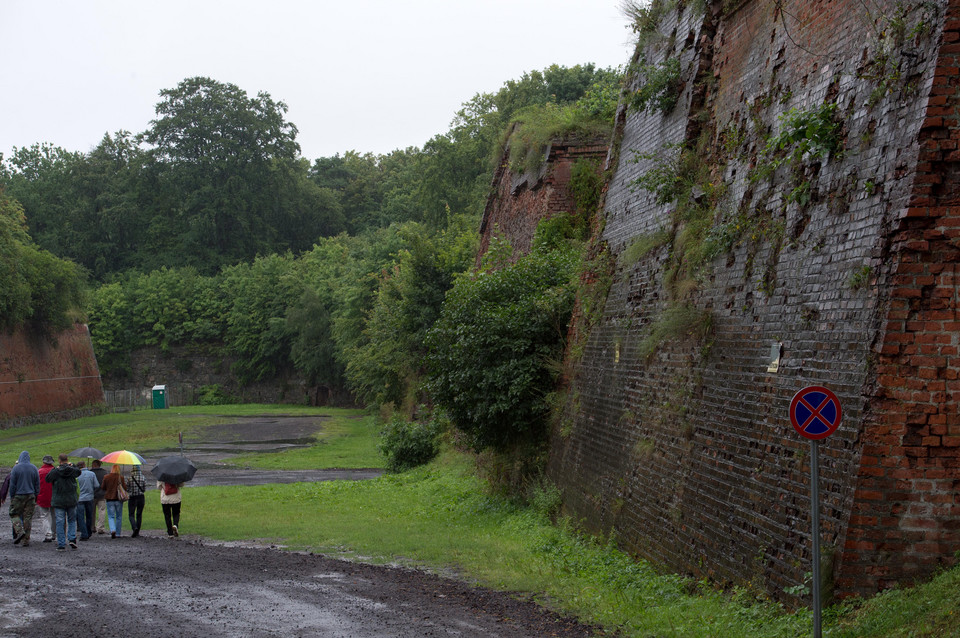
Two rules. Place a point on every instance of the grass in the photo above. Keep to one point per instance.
(348, 439)
(441, 518)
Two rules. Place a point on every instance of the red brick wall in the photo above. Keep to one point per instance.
(905, 520)
(42, 375)
(518, 202)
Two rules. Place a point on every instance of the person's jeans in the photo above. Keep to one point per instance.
(135, 511)
(171, 516)
(85, 518)
(115, 516)
(66, 525)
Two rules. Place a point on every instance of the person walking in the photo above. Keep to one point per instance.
(138, 486)
(63, 478)
(43, 514)
(111, 484)
(170, 499)
(99, 500)
(24, 487)
(3, 496)
(88, 484)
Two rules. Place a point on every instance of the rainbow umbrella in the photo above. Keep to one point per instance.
(123, 457)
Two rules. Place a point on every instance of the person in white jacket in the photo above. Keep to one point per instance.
(170, 498)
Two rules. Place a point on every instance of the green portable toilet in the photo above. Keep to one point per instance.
(159, 397)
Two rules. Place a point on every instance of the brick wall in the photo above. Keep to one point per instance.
(518, 202)
(905, 519)
(42, 375)
(688, 453)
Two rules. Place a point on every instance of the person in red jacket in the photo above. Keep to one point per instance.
(43, 515)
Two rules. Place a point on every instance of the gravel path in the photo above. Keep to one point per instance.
(154, 586)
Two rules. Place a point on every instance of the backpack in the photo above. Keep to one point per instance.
(170, 488)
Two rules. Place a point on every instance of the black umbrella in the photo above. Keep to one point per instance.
(86, 453)
(173, 469)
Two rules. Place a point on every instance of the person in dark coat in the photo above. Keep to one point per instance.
(64, 501)
(3, 496)
(24, 487)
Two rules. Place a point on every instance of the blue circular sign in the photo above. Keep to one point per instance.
(815, 412)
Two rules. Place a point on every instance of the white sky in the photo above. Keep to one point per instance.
(365, 75)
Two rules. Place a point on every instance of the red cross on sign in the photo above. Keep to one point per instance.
(815, 412)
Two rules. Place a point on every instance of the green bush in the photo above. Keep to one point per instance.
(490, 352)
(409, 444)
(214, 395)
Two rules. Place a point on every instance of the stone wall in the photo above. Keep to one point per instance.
(186, 372)
(44, 376)
(842, 262)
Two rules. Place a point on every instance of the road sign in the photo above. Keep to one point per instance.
(815, 412)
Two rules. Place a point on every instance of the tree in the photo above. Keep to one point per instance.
(490, 350)
(228, 171)
(388, 365)
(36, 288)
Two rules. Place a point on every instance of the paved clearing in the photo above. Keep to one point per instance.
(188, 587)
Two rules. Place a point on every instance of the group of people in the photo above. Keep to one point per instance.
(66, 500)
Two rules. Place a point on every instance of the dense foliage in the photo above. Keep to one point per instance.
(37, 290)
(209, 233)
(492, 347)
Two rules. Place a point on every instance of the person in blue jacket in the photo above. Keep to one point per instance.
(88, 484)
(24, 488)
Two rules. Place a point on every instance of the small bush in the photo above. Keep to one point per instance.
(409, 444)
(214, 395)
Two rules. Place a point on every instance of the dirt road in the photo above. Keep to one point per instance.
(187, 587)
(154, 586)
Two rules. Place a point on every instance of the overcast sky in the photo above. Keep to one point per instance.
(364, 75)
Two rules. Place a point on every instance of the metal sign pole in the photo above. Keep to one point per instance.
(815, 520)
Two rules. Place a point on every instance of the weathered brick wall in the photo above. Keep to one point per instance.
(42, 375)
(846, 259)
(906, 513)
(518, 202)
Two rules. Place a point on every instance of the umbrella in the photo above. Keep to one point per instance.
(173, 469)
(123, 457)
(86, 453)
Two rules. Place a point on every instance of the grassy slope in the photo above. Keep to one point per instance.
(441, 518)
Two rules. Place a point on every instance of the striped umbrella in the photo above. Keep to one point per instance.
(123, 457)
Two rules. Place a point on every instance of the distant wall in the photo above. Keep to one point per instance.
(518, 202)
(186, 371)
(44, 376)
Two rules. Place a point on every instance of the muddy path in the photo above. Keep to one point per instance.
(189, 587)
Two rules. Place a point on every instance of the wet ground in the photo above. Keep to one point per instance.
(189, 587)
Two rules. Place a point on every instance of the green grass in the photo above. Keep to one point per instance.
(348, 439)
(443, 519)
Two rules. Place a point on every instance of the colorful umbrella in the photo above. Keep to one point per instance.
(123, 457)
